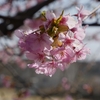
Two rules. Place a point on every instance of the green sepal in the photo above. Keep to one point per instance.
(43, 15)
(62, 28)
(42, 29)
(60, 18)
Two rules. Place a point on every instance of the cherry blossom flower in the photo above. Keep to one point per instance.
(50, 16)
(65, 84)
(81, 54)
(48, 68)
(88, 88)
(79, 32)
(30, 23)
(67, 39)
(4, 54)
(56, 43)
(69, 98)
(35, 56)
(69, 21)
(34, 42)
(82, 13)
(63, 54)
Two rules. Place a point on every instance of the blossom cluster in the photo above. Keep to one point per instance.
(56, 43)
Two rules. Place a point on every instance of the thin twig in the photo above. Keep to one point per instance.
(92, 12)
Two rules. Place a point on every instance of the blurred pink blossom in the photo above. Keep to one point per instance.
(69, 98)
(65, 84)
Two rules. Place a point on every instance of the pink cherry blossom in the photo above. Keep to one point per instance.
(30, 23)
(69, 98)
(81, 54)
(66, 38)
(4, 57)
(79, 32)
(55, 44)
(48, 68)
(19, 33)
(69, 21)
(65, 83)
(34, 42)
(63, 54)
(82, 13)
(35, 56)
(50, 16)
(20, 62)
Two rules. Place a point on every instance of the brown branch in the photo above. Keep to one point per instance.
(18, 20)
(91, 24)
(94, 10)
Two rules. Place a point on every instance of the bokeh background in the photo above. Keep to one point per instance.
(81, 81)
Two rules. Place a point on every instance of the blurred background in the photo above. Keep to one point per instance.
(81, 81)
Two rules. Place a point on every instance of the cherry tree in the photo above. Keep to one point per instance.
(51, 39)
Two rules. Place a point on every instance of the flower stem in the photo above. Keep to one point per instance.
(92, 12)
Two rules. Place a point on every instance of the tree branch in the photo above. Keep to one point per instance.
(12, 23)
(91, 24)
